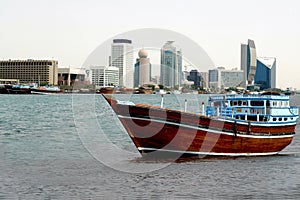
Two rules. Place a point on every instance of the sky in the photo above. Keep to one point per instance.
(70, 31)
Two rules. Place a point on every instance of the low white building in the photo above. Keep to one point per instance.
(105, 76)
(70, 76)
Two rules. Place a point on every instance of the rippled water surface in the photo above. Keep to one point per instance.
(73, 147)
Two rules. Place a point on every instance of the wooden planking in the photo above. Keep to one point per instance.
(184, 139)
(198, 120)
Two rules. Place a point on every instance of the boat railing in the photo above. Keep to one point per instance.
(220, 111)
(228, 112)
(255, 96)
(234, 111)
(250, 110)
(246, 96)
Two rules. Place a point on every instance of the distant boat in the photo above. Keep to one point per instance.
(162, 92)
(143, 90)
(106, 90)
(289, 92)
(232, 125)
(178, 92)
(16, 89)
(45, 90)
(3, 89)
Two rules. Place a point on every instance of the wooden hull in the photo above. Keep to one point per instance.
(153, 129)
(107, 90)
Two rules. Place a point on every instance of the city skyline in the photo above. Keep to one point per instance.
(69, 31)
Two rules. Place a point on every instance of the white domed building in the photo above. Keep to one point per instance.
(143, 53)
(142, 69)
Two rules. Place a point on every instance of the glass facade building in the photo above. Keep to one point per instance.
(196, 78)
(171, 65)
(248, 62)
(265, 76)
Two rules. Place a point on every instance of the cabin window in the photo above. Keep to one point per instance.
(217, 103)
(280, 119)
(285, 119)
(245, 103)
(239, 103)
(274, 119)
(292, 118)
(257, 103)
(275, 103)
(234, 103)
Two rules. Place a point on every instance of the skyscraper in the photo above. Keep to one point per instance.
(171, 65)
(195, 77)
(265, 75)
(122, 58)
(248, 62)
(204, 79)
(142, 69)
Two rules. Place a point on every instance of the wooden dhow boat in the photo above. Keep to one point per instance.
(232, 125)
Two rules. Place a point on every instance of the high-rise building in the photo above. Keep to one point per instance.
(185, 73)
(214, 77)
(204, 79)
(248, 62)
(171, 65)
(195, 77)
(105, 76)
(142, 69)
(265, 76)
(30, 71)
(122, 58)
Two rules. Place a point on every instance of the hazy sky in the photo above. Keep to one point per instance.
(70, 30)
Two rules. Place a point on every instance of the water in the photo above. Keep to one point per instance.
(73, 147)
